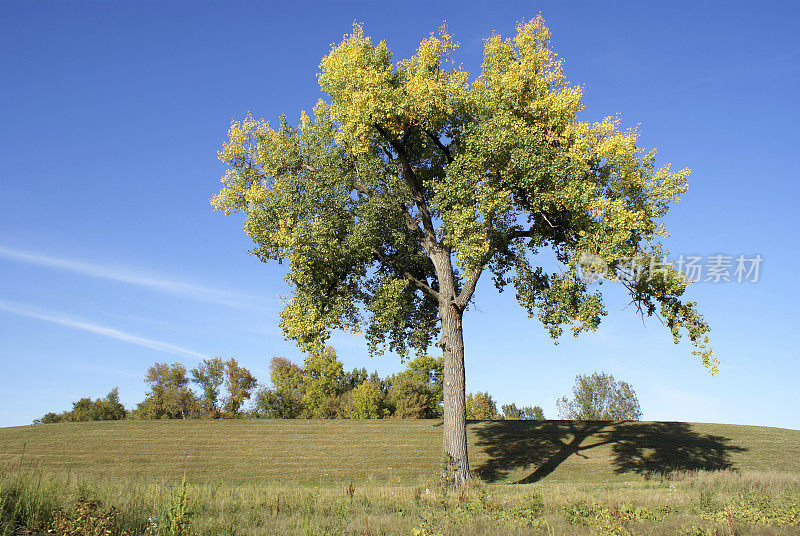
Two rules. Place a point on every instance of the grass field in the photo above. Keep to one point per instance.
(392, 451)
(370, 478)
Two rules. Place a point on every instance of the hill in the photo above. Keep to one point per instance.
(336, 451)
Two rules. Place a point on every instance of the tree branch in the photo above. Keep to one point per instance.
(469, 288)
(520, 233)
(408, 219)
(435, 139)
(472, 281)
(413, 183)
(420, 284)
(363, 190)
(387, 152)
(411, 224)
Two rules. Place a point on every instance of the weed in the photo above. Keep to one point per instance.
(698, 530)
(178, 517)
(88, 518)
(759, 507)
(706, 500)
(417, 495)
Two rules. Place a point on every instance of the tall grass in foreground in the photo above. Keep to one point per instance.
(26, 499)
(691, 504)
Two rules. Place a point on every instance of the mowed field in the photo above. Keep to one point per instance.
(332, 452)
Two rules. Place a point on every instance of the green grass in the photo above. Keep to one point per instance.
(333, 452)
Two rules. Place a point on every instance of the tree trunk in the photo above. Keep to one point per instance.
(455, 412)
(454, 436)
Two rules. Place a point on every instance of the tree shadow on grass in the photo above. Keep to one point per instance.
(636, 447)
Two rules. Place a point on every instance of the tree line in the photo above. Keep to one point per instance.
(108, 408)
(322, 389)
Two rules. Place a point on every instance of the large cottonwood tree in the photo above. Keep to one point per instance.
(414, 178)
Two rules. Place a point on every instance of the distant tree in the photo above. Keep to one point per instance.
(285, 399)
(600, 397)
(209, 376)
(481, 406)
(367, 402)
(169, 396)
(49, 418)
(336, 406)
(322, 390)
(534, 413)
(239, 383)
(83, 410)
(108, 408)
(512, 412)
(429, 371)
(322, 374)
(149, 409)
(286, 376)
(379, 382)
(411, 400)
(273, 404)
(417, 391)
(351, 380)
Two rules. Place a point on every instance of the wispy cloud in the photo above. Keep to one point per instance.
(28, 311)
(112, 273)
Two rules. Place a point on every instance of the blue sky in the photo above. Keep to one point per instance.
(111, 258)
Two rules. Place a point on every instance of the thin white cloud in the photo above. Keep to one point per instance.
(122, 275)
(27, 311)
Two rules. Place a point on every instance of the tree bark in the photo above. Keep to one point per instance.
(454, 435)
(454, 441)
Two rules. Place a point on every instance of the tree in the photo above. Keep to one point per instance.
(286, 376)
(417, 391)
(239, 383)
(534, 413)
(169, 396)
(49, 418)
(322, 374)
(336, 407)
(481, 406)
(209, 375)
(367, 402)
(351, 380)
(285, 399)
(413, 180)
(512, 412)
(600, 397)
(108, 408)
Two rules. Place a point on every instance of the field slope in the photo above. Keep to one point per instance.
(387, 451)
